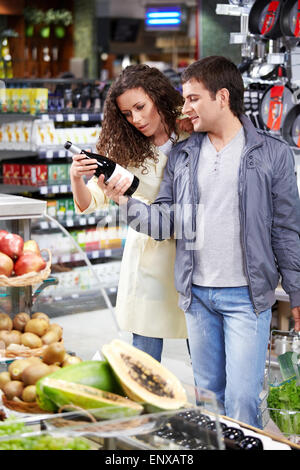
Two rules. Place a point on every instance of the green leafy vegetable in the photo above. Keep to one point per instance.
(284, 404)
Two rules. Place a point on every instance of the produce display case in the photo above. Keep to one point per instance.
(283, 383)
(196, 427)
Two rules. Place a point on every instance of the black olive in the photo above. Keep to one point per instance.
(251, 443)
(213, 427)
(234, 434)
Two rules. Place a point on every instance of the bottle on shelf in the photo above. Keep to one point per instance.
(106, 167)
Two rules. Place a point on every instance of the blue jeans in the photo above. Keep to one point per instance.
(152, 346)
(228, 343)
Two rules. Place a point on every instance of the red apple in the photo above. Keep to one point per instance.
(3, 233)
(29, 262)
(31, 245)
(6, 265)
(12, 245)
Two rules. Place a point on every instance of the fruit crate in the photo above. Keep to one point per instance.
(282, 405)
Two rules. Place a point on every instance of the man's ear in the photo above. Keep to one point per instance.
(222, 96)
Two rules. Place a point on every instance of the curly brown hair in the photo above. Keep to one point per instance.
(120, 140)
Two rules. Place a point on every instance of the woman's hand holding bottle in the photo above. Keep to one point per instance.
(115, 188)
(82, 166)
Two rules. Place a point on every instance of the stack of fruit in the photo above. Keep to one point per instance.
(18, 383)
(18, 257)
(23, 335)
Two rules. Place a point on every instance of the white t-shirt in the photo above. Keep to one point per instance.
(219, 261)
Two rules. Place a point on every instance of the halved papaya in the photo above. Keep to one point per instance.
(144, 379)
(102, 404)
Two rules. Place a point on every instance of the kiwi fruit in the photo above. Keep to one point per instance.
(5, 322)
(53, 368)
(31, 340)
(13, 389)
(50, 337)
(11, 337)
(70, 360)
(34, 372)
(20, 321)
(38, 326)
(57, 328)
(54, 353)
(16, 368)
(29, 394)
(41, 315)
(4, 379)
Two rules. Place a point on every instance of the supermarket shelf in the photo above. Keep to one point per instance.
(11, 117)
(71, 117)
(14, 154)
(73, 221)
(93, 254)
(43, 190)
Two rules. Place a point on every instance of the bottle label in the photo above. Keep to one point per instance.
(119, 170)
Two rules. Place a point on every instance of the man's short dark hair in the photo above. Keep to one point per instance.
(216, 72)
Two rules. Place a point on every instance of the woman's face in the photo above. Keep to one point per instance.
(140, 111)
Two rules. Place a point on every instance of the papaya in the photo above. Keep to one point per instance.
(143, 379)
(96, 374)
(102, 404)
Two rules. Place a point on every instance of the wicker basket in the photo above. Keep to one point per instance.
(28, 279)
(20, 352)
(22, 406)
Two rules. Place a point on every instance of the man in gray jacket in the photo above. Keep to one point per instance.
(229, 196)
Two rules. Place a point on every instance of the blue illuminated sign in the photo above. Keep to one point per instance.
(163, 17)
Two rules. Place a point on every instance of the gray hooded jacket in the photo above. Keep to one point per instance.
(269, 215)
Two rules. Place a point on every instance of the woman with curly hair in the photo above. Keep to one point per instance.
(140, 125)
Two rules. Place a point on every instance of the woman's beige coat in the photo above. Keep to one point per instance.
(147, 302)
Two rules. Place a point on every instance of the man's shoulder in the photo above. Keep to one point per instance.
(272, 139)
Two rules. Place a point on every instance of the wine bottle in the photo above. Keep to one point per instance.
(106, 167)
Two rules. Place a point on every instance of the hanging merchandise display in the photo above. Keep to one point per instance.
(264, 71)
(291, 126)
(274, 106)
(264, 19)
(290, 18)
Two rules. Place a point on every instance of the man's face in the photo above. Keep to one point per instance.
(202, 109)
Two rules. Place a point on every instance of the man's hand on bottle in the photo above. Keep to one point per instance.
(115, 188)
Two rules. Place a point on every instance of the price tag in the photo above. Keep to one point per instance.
(91, 220)
(82, 221)
(85, 117)
(63, 188)
(44, 225)
(45, 117)
(55, 189)
(59, 117)
(95, 254)
(75, 296)
(49, 154)
(69, 223)
(107, 253)
(71, 117)
(44, 189)
(61, 153)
